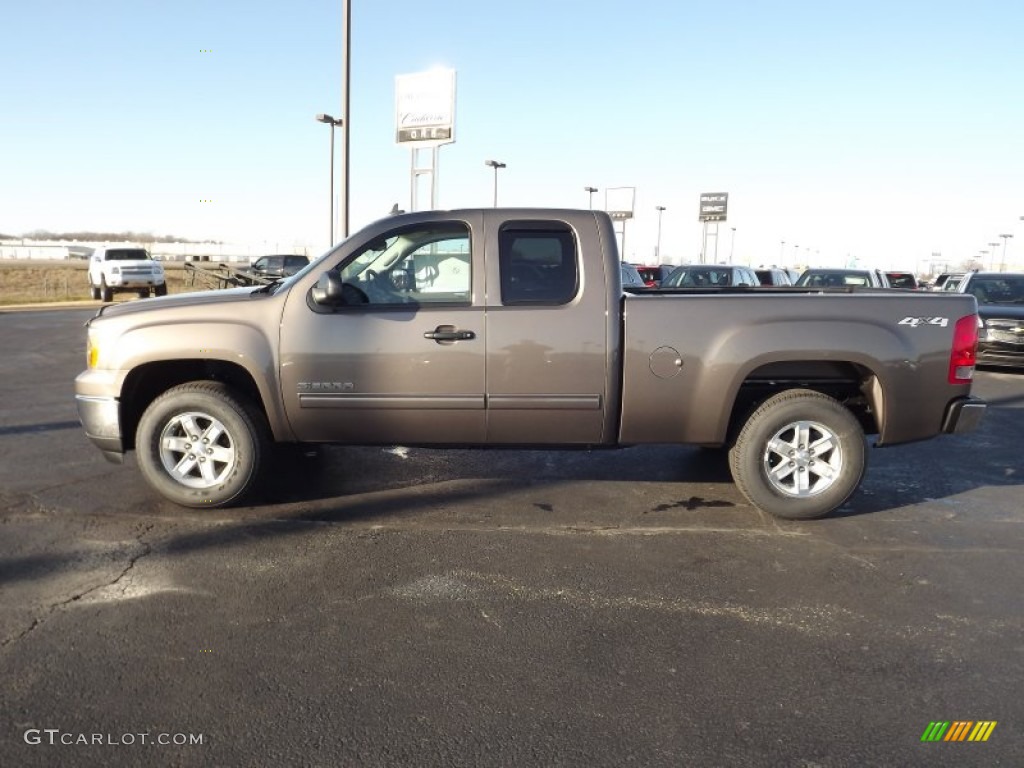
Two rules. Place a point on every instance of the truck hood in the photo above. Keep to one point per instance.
(196, 299)
(1001, 312)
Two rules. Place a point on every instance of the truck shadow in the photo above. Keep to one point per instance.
(897, 476)
(334, 471)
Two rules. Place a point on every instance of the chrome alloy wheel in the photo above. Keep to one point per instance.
(197, 450)
(803, 459)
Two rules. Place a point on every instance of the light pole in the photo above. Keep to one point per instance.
(1002, 262)
(346, 79)
(657, 248)
(732, 244)
(590, 191)
(333, 122)
(782, 252)
(993, 246)
(495, 165)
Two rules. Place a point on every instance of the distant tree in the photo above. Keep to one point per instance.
(108, 237)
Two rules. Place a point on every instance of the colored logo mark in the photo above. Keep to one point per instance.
(959, 730)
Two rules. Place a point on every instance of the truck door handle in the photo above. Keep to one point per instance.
(449, 333)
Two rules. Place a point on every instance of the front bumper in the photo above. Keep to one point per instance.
(135, 281)
(963, 415)
(100, 416)
(1001, 353)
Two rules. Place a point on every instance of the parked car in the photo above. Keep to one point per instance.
(654, 276)
(903, 280)
(710, 276)
(947, 281)
(273, 267)
(1000, 298)
(843, 278)
(631, 277)
(118, 270)
(773, 276)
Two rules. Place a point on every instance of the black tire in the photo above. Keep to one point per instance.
(94, 291)
(168, 455)
(144, 294)
(160, 290)
(106, 292)
(777, 468)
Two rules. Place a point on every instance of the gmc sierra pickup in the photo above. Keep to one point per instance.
(511, 327)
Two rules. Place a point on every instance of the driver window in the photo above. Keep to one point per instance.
(428, 263)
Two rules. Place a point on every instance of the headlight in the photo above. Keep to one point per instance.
(115, 271)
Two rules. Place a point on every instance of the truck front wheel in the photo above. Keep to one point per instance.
(800, 455)
(199, 445)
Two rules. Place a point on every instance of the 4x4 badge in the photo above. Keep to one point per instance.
(914, 322)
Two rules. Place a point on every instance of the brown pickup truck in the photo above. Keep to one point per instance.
(511, 327)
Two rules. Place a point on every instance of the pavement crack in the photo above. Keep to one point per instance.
(146, 549)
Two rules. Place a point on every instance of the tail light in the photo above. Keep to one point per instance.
(964, 355)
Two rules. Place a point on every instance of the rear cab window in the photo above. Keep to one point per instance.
(539, 263)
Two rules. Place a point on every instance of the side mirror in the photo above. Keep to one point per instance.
(328, 291)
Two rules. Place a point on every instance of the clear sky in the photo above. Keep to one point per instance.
(882, 131)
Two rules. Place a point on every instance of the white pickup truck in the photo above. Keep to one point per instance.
(125, 269)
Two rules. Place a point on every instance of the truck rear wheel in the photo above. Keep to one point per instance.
(199, 445)
(800, 455)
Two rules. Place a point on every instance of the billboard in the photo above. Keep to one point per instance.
(713, 206)
(425, 108)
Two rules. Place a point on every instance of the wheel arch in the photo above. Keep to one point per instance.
(852, 384)
(146, 382)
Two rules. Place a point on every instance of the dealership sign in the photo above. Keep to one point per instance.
(425, 108)
(713, 206)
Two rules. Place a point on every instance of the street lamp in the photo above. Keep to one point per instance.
(334, 123)
(782, 252)
(993, 246)
(1002, 263)
(495, 165)
(732, 243)
(590, 191)
(657, 248)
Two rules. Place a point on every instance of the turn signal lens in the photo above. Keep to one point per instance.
(92, 353)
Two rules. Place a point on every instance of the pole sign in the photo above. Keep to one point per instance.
(618, 202)
(425, 108)
(713, 206)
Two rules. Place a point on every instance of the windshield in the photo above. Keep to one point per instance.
(698, 277)
(1007, 289)
(127, 254)
(902, 280)
(833, 279)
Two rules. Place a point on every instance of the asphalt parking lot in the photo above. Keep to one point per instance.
(492, 608)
